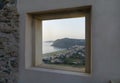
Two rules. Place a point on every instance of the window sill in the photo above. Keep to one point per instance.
(58, 71)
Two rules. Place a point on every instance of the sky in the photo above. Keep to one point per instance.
(63, 28)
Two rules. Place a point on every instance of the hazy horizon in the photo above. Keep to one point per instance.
(61, 38)
(63, 28)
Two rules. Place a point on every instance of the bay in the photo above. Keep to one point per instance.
(48, 48)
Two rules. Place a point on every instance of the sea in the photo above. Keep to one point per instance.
(48, 48)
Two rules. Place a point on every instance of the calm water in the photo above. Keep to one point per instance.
(47, 48)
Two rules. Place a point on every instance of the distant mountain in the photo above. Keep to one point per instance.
(68, 42)
(48, 41)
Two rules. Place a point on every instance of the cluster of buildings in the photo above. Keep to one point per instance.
(74, 53)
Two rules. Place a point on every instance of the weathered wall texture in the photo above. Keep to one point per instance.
(9, 38)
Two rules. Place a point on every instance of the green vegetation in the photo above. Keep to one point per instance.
(68, 42)
(55, 53)
(69, 57)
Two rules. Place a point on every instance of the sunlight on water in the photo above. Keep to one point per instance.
(47, 48)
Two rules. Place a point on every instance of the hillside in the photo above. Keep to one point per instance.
(68, 42)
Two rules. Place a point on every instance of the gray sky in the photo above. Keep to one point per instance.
(63, 28)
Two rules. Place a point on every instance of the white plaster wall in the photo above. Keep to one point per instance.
(105, 41)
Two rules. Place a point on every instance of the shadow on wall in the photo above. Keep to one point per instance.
(4, 2)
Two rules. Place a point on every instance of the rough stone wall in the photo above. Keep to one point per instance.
(9, 40)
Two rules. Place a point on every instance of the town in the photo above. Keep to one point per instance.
(74, 56)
